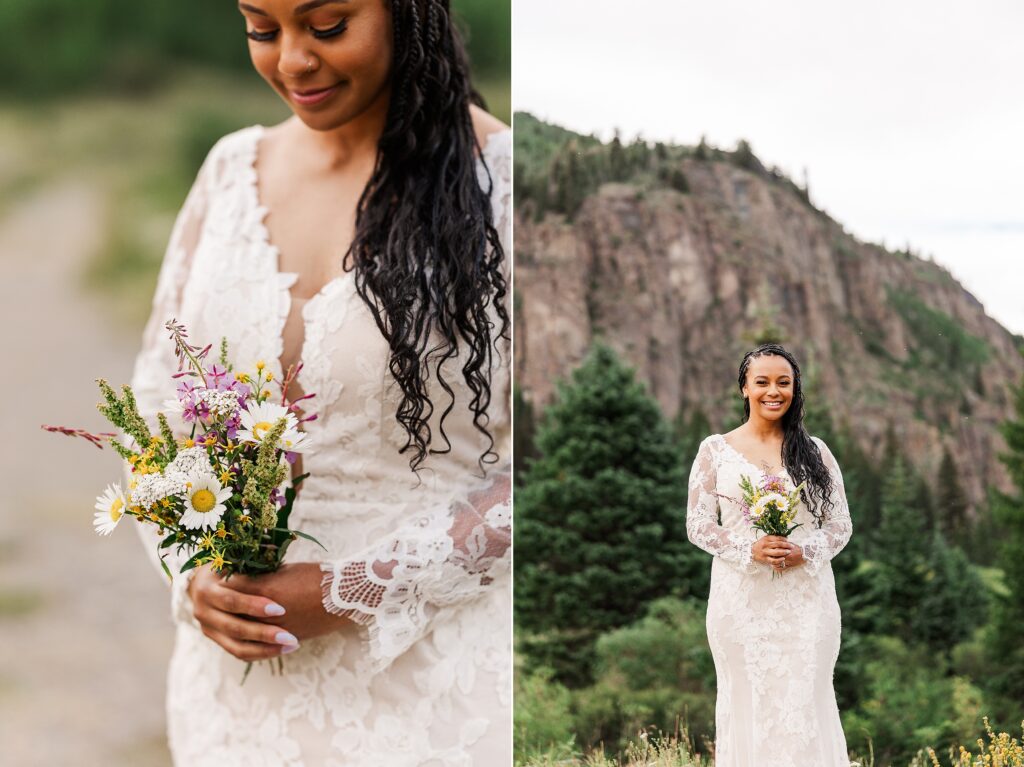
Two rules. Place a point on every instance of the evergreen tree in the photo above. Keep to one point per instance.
(1005, 646)
(953, 599)
(950, 501)
(689, 433)
(523, 433)
(818, 414)
(600, 518)
(863, 484)
(702, 152)
(922, 500)
(618, 164)
(900, 551)
(569, 180)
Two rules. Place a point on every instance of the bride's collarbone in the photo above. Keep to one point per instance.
(765, 458)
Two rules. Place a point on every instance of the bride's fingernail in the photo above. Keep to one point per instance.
(289, 648)
(285, 637)
(273, 609)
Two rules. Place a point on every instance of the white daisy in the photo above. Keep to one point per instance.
(204, 499)
(759, 508)
(110, 508)
(260, 419)
(294, 441)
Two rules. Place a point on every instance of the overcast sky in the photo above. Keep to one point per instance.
(907, 116)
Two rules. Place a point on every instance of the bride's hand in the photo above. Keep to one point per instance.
(240, 623)
(773, 550)
(796, 556)
(296, 587)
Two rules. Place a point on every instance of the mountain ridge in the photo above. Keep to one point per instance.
(681, 258)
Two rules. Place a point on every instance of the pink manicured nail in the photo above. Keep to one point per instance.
(286, 637)
(273, 609)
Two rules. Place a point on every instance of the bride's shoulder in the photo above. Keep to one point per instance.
(712, 442)
(232, 146)
(494, 136)
(822, 447)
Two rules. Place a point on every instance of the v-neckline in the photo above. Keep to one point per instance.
(746, 460)
(259, 132)
(285, 280)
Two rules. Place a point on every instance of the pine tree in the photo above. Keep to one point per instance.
(953, 598)
(600, 518)
(951, 502)
(618, 164)
(524, 431)
(689, 433)
(863, 483)
(900, 550)
(1005, 646)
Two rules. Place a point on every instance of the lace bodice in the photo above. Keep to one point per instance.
(714, 487)
(403, 558)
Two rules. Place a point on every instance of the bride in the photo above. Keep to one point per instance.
(367, 235)
(775, 641)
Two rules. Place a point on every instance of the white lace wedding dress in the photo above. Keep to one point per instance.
(775, 641)
(423, 674)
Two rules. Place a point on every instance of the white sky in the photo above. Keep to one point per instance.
(907, 115)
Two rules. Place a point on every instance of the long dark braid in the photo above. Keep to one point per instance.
(426, 253)
(800, 455)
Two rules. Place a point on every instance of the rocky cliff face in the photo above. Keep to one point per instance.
(682, 283)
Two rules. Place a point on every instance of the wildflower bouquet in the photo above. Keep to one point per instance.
(218, 495)
(770, 506)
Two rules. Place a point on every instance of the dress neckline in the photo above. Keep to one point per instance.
(746, 460)
(491, 142)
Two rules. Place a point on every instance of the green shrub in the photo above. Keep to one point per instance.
(544, 727)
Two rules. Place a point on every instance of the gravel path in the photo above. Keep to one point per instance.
(85, 633)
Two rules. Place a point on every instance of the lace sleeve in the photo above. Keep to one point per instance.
(454, 552)
(448, 556)
(828, 540)
(702, 526)
(156, 363)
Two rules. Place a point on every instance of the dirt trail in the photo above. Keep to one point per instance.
(85, 633)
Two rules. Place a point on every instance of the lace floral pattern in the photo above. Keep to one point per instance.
(775, 642)
(423, 674)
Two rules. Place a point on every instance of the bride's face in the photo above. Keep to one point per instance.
(769, 387)
(330, 60)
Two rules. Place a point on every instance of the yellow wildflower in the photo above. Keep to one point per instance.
(218, 561)
(260, 365)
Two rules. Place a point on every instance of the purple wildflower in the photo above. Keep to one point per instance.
(216, 375)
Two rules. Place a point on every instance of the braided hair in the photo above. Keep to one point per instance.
(800, 455)
(426, 253)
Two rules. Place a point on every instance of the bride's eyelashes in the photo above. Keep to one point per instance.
(334, 31)
(320, 34)
(260, 37)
